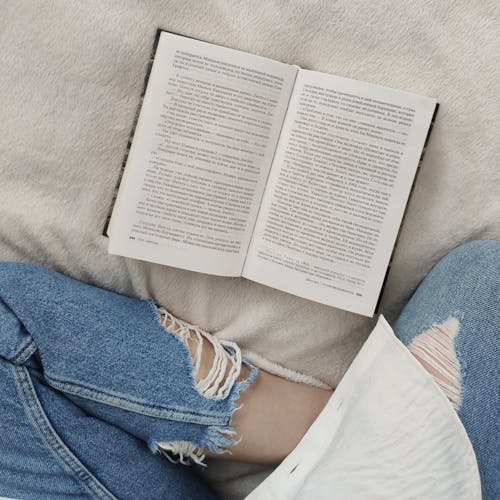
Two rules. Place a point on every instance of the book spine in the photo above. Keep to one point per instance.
(433, 119)
(132, 132)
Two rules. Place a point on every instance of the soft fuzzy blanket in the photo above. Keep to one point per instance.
(71, 74)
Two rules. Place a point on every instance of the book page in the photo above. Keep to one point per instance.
(200, 157)
(337, 191)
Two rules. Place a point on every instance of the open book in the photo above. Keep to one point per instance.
(246, 166)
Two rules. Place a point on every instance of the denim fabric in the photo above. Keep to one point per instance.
(89, 380)
(465, 285)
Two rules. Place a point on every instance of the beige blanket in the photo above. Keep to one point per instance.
(71, 73)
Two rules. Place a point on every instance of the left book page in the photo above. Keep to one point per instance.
(200, 156)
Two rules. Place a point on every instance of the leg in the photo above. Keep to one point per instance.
(119, 364)
(275, 415)
(274, 412)
(50, 448)
(80, 378)
(452, 326)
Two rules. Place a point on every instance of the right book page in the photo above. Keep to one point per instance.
(337, 190)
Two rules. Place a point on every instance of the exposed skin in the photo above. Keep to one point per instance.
(275, 415)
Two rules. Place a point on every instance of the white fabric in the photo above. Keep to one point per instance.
(387, 432)
(70, 81)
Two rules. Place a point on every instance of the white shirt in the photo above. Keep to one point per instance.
(388, 432)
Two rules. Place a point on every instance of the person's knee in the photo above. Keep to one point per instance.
(464, 282)
(468, 263)
(473, 256)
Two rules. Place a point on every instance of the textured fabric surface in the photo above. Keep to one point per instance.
(72, 73)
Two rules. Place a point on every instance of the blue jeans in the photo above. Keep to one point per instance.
(90, 382)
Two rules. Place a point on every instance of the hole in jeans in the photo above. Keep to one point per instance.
(217, 365)
(214, 371)
(182, 452)
(435, 350)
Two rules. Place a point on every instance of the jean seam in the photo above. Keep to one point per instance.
(55, 444)
(136, 406)
(25, 353)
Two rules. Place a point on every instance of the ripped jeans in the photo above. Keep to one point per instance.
(452, 326)
(92, 382)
